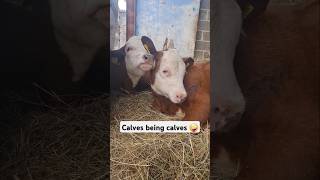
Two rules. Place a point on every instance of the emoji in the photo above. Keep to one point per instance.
(193, 128)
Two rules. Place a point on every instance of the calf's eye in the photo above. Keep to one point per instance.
(166, 73)
(129, 49)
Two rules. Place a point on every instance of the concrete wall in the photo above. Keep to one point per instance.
(202, 48)
(174, 19)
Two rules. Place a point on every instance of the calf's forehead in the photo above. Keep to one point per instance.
(135, 42)
(172, 59)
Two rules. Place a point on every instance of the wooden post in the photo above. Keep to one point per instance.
(131, 18)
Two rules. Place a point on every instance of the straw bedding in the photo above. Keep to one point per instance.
(71, 142)
(154, 156)
(68, 142)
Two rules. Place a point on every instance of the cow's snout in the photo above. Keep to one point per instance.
(180, 97)
(148, 58)
(147, 62)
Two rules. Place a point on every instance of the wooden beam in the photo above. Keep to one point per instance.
(131, 18)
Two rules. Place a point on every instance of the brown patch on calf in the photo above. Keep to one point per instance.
(164, 105)
(197, 84)
(188, 61)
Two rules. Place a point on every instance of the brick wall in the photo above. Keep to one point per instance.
(202, 48)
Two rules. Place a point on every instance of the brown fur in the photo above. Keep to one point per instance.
(279, 73)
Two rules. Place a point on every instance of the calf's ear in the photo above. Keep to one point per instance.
(168, 44)
(188, 61)
(117, 56)
(148, 45)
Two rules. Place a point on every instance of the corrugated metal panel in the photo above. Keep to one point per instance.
(175, 19)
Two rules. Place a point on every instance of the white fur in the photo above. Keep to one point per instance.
(172, 85)
(134, 59)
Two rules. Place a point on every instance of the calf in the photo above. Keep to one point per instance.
(129, 63)
(191, 80)
(167, 76)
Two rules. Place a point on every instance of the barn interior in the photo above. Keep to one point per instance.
(159, 156)
(53, 128)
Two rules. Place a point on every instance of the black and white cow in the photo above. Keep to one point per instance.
(129, 64)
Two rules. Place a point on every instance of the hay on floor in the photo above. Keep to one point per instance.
(68, 142)
(154, 156)
(71, 142)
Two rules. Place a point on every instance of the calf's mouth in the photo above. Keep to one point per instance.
(146, 66)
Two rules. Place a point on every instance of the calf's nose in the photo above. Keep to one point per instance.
(148, 57)
(181, 96)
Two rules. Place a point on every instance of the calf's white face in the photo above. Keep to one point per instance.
(168, 76)
(137, 56)
(139, 52)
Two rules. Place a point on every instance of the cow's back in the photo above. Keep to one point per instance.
(278, 71)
